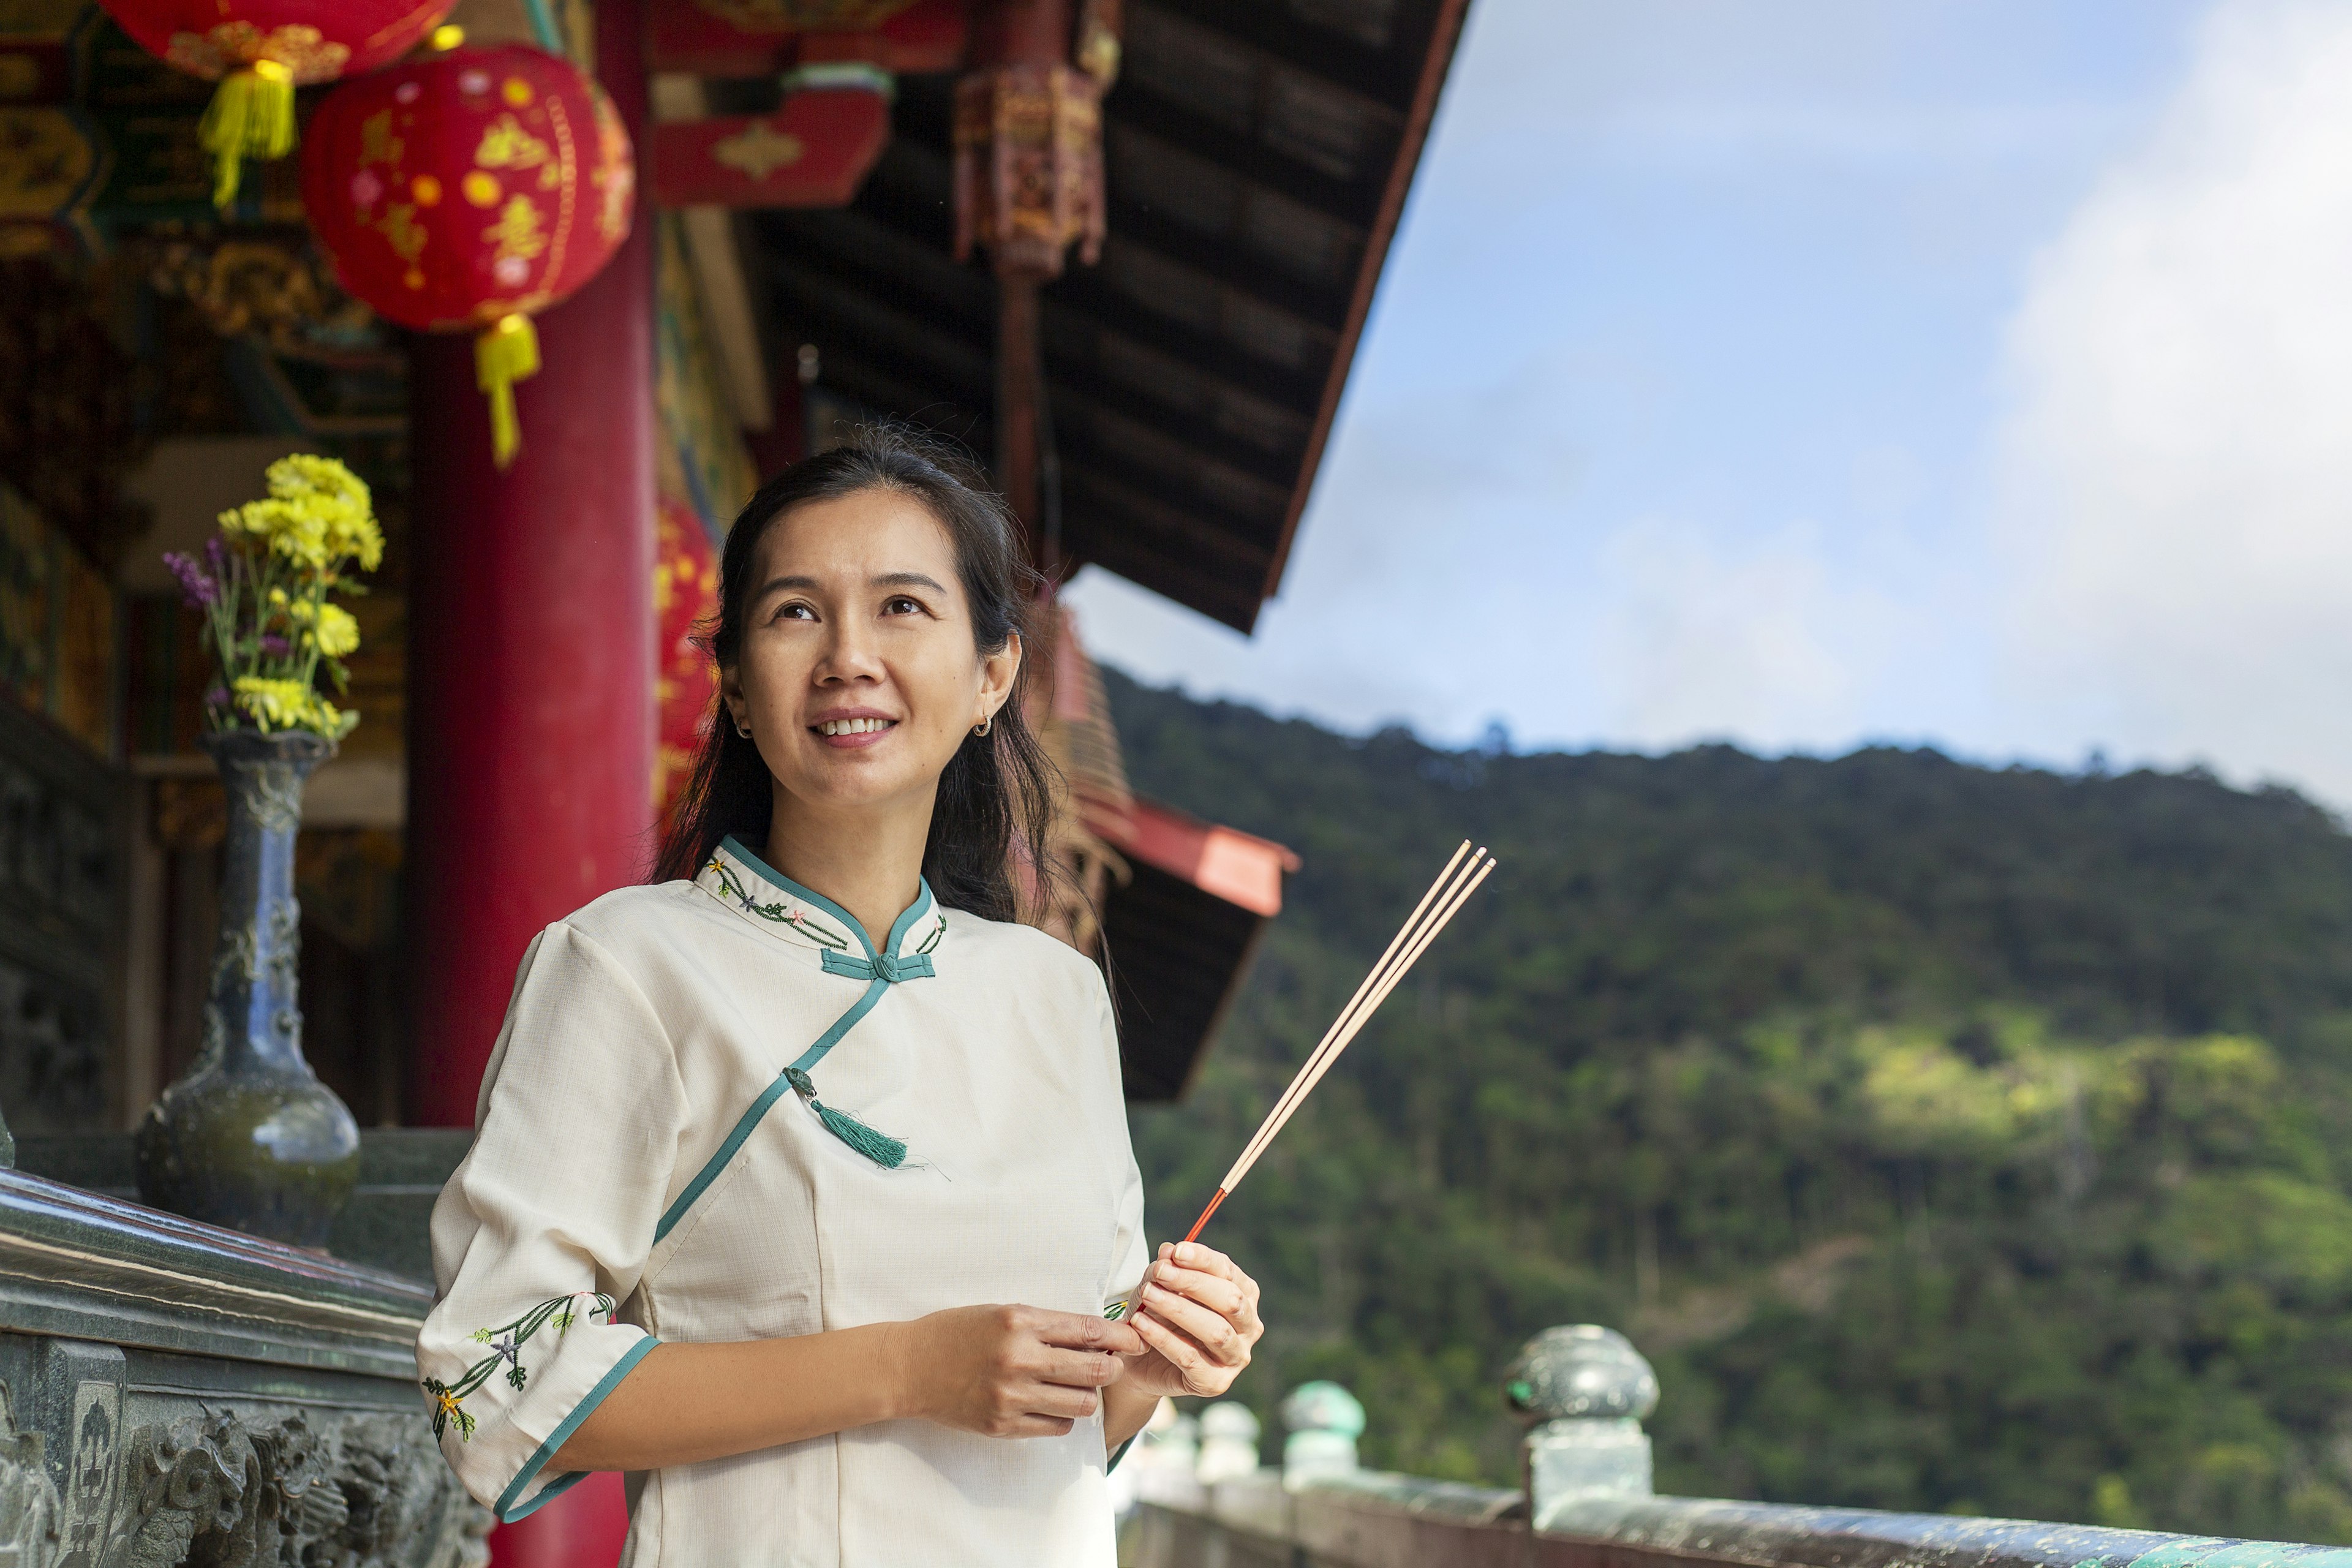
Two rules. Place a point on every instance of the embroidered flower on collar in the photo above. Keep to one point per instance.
(781, 912)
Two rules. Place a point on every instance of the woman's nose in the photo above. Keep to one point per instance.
(850, 655)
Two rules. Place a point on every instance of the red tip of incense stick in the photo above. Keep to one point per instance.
(1194, 1234)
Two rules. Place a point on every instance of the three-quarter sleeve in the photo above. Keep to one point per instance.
(544, 1228)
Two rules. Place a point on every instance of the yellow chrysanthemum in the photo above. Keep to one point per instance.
(318, 515)
(336, 633)
(291, 705)
(303, 474)
(316, 519)
(274, 704)
(359, 538)
(345, 510)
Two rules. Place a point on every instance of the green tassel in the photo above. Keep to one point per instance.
(884, 1151)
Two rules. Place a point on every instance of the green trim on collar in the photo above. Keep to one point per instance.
(922, 906)
(881, 967)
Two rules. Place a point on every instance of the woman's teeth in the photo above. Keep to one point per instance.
(853, 726)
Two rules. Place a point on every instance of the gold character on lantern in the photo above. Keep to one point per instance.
(377, 144)
(406, 236)
(517, 235)
(507, 145)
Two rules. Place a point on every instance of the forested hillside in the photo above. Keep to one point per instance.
(1950, 1138)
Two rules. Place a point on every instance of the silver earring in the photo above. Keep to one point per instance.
(743, 728)
(985, 724)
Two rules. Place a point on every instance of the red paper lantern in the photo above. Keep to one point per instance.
(261, 50)
(463, 192)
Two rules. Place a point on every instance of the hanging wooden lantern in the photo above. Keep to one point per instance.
(465, 192)
(260, 51)
(1028, 170)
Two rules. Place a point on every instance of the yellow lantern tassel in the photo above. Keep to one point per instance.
(503, 355)
(251, 116)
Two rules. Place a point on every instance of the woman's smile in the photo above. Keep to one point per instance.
(851, 728)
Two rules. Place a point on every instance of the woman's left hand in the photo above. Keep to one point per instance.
(1198, 1317)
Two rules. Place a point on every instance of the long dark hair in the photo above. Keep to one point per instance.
(997, 796)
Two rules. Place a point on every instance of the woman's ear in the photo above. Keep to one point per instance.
(997, 671)
(730, 695)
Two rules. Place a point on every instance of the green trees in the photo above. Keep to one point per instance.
(1951, 1138)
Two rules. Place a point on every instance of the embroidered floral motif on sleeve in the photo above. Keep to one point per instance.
(784, 911)
(506, 1342)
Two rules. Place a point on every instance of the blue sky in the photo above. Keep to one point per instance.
(1825, 371)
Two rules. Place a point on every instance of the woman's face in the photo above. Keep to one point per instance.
(857, 672)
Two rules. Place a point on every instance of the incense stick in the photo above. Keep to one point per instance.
(1360, 1005)
(1364, 988)
(1421, 944)
(1448, 893)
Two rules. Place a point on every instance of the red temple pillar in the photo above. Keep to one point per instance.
(530, 694)
(530, 639)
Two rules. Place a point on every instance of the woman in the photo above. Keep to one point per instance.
(801, 1189)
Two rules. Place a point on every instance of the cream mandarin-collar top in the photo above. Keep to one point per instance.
(717, 1111)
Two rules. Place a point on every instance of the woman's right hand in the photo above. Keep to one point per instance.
(1010, 1372)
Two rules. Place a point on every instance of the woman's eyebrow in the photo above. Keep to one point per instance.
(772, 583)
(905, 580)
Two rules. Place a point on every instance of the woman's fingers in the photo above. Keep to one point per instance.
(1204, 1275)
(1212, 1330)
(1057, 1401)
(1078, 1369)
(1208, 1275)
(1201, 1374)
(1078, 1331)
(1221, 1296)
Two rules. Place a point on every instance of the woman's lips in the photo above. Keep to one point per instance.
(856, 740)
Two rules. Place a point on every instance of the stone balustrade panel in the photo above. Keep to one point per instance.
(170, 1393)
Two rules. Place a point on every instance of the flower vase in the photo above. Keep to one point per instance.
(248, 1137)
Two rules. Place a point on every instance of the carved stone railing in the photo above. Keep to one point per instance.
(1585, 1393)
(170, 1392)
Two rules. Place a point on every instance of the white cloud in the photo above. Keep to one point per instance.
(2175, 510)
(1766, 643)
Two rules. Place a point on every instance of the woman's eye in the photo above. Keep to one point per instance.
(795, 611)
(901, 606)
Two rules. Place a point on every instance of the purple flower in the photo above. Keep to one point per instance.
(275, 646)
(200, 589)
(216, 698)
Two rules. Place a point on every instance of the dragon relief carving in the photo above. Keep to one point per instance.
(188, 1480)
(368, 1490)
